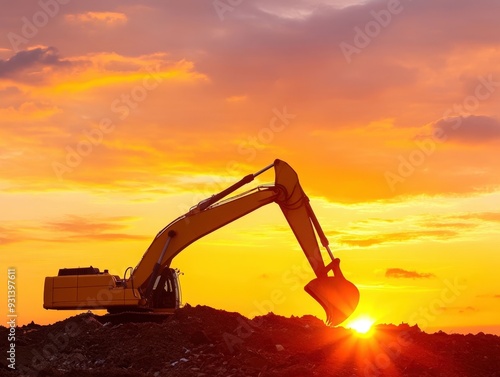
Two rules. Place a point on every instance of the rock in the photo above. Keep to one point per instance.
(202, 341)
(199, 337)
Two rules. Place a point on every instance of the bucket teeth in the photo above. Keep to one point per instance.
(338, 296)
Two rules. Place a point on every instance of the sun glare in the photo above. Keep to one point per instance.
(361, 325)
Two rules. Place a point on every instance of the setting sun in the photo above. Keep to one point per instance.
(361, 325)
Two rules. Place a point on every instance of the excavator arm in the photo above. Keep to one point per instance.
(152, 285)
(338, 296)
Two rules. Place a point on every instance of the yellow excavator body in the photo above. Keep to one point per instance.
(153, 286)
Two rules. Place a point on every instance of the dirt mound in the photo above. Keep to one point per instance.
(202, 341)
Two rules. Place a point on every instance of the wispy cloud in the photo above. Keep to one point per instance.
(366, 241)
(493, 296)
(484, 216)
(373, 232)
(99, 228)
(400, 273)
(8, 235)
(108, 18)
(470, 129)
(459, 309)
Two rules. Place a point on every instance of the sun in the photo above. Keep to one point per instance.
(362, 325)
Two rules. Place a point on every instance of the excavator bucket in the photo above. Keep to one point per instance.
(338, 296)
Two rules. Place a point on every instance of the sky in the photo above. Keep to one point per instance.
(117, 116)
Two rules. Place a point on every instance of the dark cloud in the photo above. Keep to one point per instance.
(399, 273)
(31, 60)
(469, 129)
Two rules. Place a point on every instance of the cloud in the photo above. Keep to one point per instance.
(108, 18)
(31, 60)
(28, 110)
(485, 216)
(8, 235)
(452, 225)
(367, 241)
(72, 228)
(421, 227)
(400, 273)
(459, 309)
(494, 296)
(264, 55)
(9, 91)
(80, 228)
(469, 129)
(236, 98)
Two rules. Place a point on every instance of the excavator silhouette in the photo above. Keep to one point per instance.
(153, 286)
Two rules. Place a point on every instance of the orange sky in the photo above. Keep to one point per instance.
(118, 116)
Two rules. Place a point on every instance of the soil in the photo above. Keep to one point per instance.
(202, 341)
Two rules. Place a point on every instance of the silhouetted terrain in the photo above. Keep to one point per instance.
(201, 341)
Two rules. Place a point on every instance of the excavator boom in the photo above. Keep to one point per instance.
(338, 296)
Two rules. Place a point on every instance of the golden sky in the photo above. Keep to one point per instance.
(118, 116)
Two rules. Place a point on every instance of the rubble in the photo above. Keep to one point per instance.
(202, 341)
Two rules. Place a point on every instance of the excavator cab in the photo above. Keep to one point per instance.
(166, 290)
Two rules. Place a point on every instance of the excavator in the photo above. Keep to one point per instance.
(153, 285)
